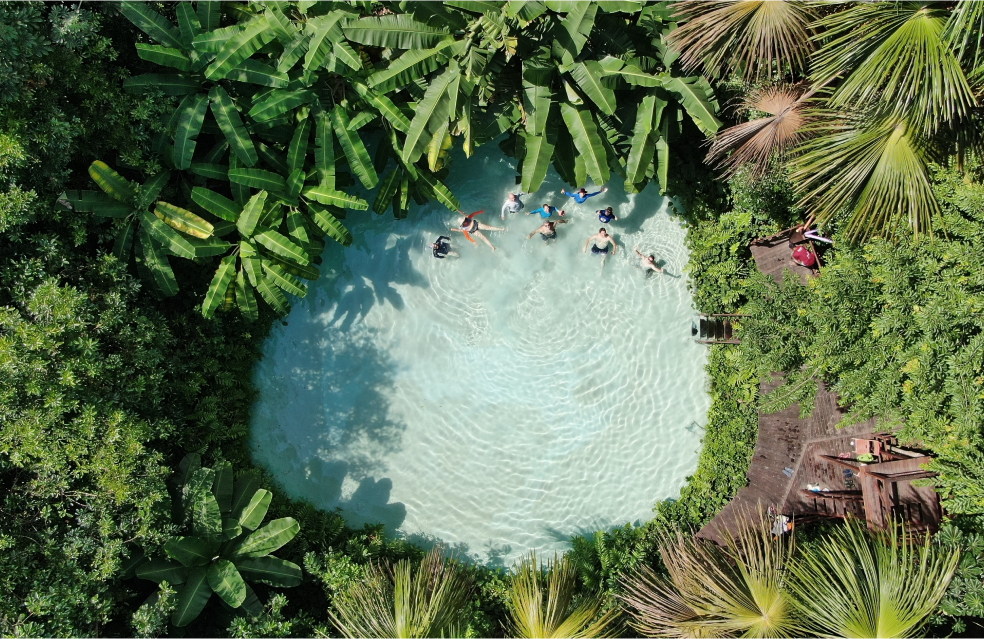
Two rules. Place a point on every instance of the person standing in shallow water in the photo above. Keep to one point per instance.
(581, 195)
(512, 205)
(547, 230)
(442, 247)
(470, 226)
(607, 215)
(648, 263)
(544, 211)
(600, 244)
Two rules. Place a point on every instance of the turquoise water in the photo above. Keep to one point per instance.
(498, 402)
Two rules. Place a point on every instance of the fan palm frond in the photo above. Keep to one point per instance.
(894, 58)
(964, 33)
(757, 141)
(545, 605)
(423, 600)
(758, 39)
(710, 591)
(876, 172)
(859, 584)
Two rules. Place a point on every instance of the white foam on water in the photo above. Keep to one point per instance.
(497, 402)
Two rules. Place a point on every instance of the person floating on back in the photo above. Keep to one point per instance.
(547, 230)
(442, 247)
(545, 211)
(512, 205)
(470, 226)
(601, 241)
(607, 215)
(648, 263)
(581, 195)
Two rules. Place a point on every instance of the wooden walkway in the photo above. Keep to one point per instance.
(786, 442)
(773, 254)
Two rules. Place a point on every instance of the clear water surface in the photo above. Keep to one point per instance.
(498, 402)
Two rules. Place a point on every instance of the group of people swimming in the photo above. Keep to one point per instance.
(601, 242)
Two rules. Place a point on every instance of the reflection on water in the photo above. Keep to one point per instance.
(494, 403)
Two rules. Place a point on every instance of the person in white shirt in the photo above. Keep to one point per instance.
(513, 205)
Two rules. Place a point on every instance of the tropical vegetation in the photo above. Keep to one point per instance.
(169, 176)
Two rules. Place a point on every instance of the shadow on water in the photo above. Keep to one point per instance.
(491, 555)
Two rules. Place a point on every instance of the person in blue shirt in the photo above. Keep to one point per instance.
(546, 211)
(581, 195)
(607, 215)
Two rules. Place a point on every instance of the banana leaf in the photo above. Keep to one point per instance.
(158, 570)
(273, 296)
(410, 66)
(191, 551)
(112, 182)
(336, 198)
(695, 98)
(168, 83)
(251, 214)
(588, 76)
(216, 204)
(284, 280)
(223, 485)
(329, 223)
(297, 150)
(292, 52)
(440, 192)
(354, 149)
(152, 23)
(279, 101)
(255, 72)
(394, 31)
(247, 306)
(227, 117)
(157, 265)
(321, 41)
(220, 283)
(97, 202)
(192, 597)
(257, 179)
(539, 152)
(165, 235)
(587, 142)
(268, 539)
(226, 582)
(190, 121)
(430, 115)
(281, 245)
(210, 170)
(164, 56)
(251, 39)
(183, 220)
(324, 151)
(270, 570)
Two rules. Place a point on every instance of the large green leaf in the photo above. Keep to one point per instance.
(584, 132)
(158, 570)
(643, 144)
(279, 101)
(164, 56)
(284, 280)
(251, 214)
(239, 47)
(156, 263)
(220, 283)
(227, 117)
(293, 51)
(273, 296)
(308, 271)
(216, 204)
(336, 198)
(213, 41)
(576, 27)
(268, 539)
(166, 236)
(205, 516)
(210, 170)
(297, 151)
(588, 76)
(394, 31)
(245, 487)
(97, 202)
(330, 225)
(430, 115)
(226, 582)
(192, 597)
(153, 187)
(281, 245)
(270, 570)
(389, 110)
(211, 246)
(209, 14)
(190, 121)
(324, 151)
(539, 151)
(389, 187)
(246, 301)
(344, 52)
(637, 77)
(526, 10)
(190, 551)
(537, 100)
(257, 179)
(440, 192)
(694, 96)
(112, 183)
(410, 66)
(324, 29)
(168, 83)
(662, 163)
(354, 149)
(124, 241)
(152, 23)
(255, 509)
(255, 72)
(183, 220)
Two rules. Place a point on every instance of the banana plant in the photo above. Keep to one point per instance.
(169, 230)
(227, 546)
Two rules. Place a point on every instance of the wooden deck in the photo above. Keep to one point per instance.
(786, 441)
(773, 254)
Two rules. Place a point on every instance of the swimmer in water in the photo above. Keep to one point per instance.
(607, 215)
(581, 195)
(601, 240)
(648, 263)
(442, 248)
(547, 230)
(470, 226)
(545, 211)
(513, 204)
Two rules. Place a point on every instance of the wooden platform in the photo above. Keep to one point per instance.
(786, 441)
(773, 254)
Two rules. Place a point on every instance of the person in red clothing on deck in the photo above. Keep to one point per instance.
(804, 256)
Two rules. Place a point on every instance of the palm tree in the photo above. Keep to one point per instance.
(546, 605)
(857, 584)
(409, 600)
(755, 38)
(713, 592)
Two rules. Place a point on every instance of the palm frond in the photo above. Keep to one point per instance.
(408, 600)
(545, 605)
(964, 33)
(894, 57)
(758, 39)
(860, 584)
(758, 141)
(876, 172)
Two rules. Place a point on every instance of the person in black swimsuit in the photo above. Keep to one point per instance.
(442, 247)
(470, 226)
(547, 230)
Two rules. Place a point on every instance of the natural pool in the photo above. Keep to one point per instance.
(499, 402)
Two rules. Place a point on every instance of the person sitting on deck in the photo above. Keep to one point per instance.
(581, 195)
(804, 257)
